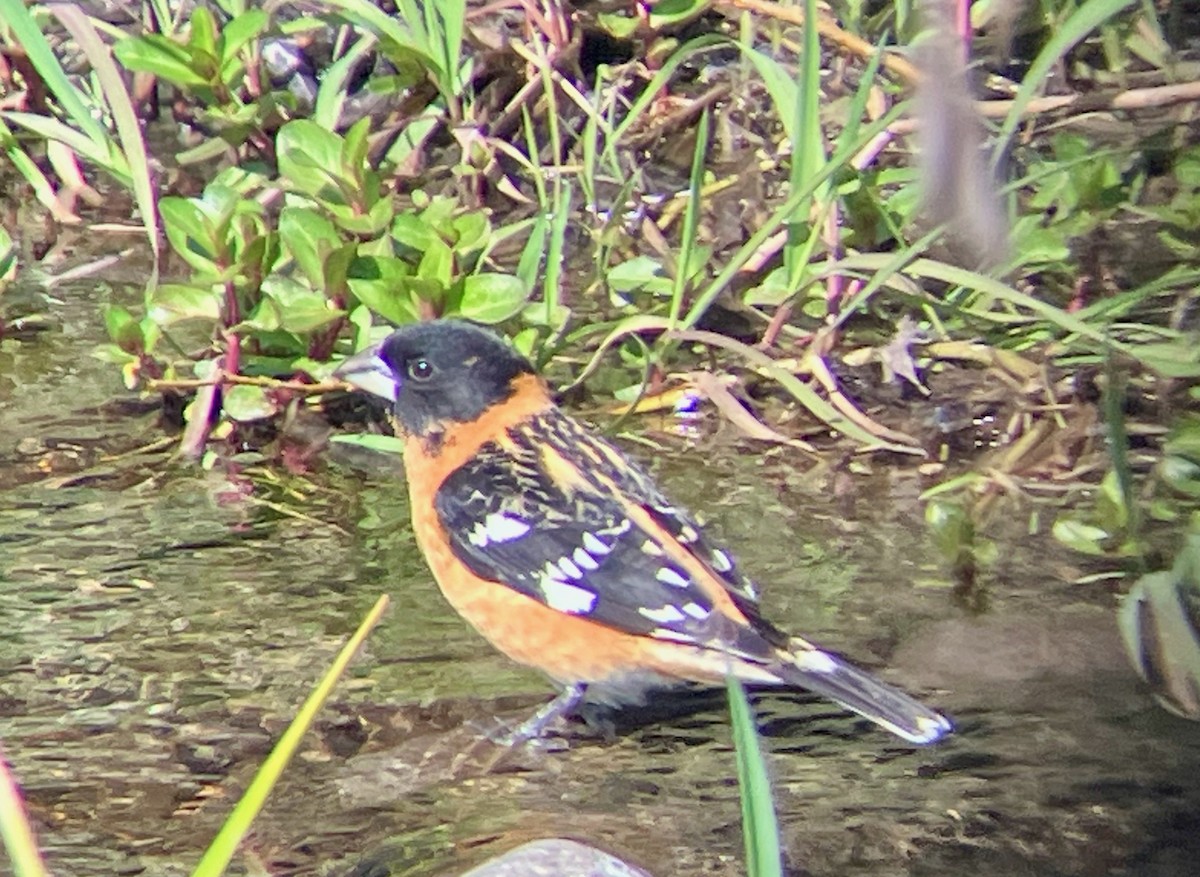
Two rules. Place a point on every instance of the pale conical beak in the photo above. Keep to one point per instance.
(367, 371)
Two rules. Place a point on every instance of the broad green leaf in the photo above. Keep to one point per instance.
(202, 32)
(238, 32)
(244, 403)
(292, 307)
(337, 266)
(1080, 536)
(174, 302)
(113, 354)
(189, 230)
(310, 161)
(370, 225)
(123, 328)
(437, 264)
(309, 237)
(492, 298)
(640, 273)
(472, 231)
(413, 232)
(379, 282)
(164, 58)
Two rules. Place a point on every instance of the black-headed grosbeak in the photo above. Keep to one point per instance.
(565, 555)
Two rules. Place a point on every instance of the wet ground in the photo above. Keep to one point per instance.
(161, 624)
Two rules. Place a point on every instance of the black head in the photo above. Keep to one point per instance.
(439, 371)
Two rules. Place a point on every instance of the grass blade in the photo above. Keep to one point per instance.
(1090, 15)
(760, 828)
(220, 852)
(129, 130)
(15, 829)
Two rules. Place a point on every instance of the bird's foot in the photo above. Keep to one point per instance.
(534, 729)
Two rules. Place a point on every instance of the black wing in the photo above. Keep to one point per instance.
(574, 547)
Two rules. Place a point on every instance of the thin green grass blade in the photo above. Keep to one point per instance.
(129, 130)
(25, 29)
(781, 214)
(220, 852)
(808, 156)
(760, 828)
(42, 188)
(661, 80)
(453, 15)
(405, 31)
(880, 278)
(556, 250)
(49, 128)
(1085, 19)
(15, 829)
(688, 242)
(1118, 451)
(935, 270)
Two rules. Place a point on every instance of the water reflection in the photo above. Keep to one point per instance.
(159, 632)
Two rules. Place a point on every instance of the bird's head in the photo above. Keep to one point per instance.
(437, 372)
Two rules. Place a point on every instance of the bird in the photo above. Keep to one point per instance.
(565, 554)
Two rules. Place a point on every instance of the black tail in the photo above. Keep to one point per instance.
(860, 692)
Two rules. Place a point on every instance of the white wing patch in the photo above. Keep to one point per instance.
(595, 546)
(668, 576)
(666, 615)
(721, 562)
(584, 560)
(497, 527)
(565, 597)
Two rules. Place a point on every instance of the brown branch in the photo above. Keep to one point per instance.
(250, 380)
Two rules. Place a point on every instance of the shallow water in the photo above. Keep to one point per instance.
(161, 624)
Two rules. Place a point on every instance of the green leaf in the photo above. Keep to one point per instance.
(244, 403)
(472, 231)
(189, 231)
(387, 444)
(292, 307)
(309, 237)
(238, 32)
(640, 273)
(202, 33)
(8, 256)
(337, 267)
(162, 57)
(1080, 536)
(354, 149)
(173, 302)
(413, 232)
(123, 329)
(112, 354)
(492, 298)
(310, 160)
(379, 282)
(21, 24)
(437, 265)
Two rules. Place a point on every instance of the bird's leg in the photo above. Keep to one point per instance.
(530, 729)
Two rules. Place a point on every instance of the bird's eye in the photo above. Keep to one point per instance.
(420, 369)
